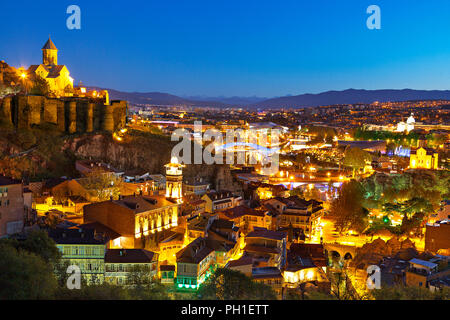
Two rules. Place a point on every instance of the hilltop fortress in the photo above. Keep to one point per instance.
(72, 109)
(69, 114)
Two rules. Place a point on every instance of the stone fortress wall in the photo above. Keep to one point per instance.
(70, 114)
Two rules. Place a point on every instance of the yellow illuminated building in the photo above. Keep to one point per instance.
(57, 76)
(70, 204)
(174, 179)
(264, 193)
(423, 158)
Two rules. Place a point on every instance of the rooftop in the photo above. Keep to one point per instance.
(240, 211)
(424, 263)
(195, 252)
(167, 267)
(219, 195)
(130, 256)
(5, 181)
(101, 228)
(267, 234)
(141, 204)
(243, 261)
(302, 255)
(266, 272)
(76, 236)
(49, 45)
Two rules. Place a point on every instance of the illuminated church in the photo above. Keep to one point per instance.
(423, 158)
(57, 76)
(408, 126)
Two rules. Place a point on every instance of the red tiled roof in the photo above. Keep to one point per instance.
(243, 261)
(240, 211)
(268, 234)
(261, 249)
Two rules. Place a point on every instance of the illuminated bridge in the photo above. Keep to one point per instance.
(247, 147)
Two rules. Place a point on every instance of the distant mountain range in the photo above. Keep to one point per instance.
(159, 99)
(239, 101)
(350, 96)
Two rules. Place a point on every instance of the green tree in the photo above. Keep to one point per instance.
(40, 87)
(228, 284)
(355, 158)
(342, 287)
(25, 275)
(102, 185)
(296, 192)
(104, 291)
(347, 210)
(39, 243)
(409, 293)
(143, 286)
(312, 193)
(290, 232)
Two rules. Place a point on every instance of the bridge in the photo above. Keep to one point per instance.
(342, 251)
(246, 147)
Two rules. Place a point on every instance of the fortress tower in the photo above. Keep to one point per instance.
(174, 179)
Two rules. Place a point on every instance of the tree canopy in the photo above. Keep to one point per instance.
(355, 158)
(25, 275)
(102, 185)
(226, 284)
(347, 209)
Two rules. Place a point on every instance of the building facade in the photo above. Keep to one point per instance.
(137, 218)
(220, 201)
(121, 263)
(14, 206)
(80, 247)
(195, 263)
(423, 158)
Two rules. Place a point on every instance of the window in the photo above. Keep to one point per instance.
(3, 192)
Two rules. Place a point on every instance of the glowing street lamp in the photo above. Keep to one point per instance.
(23, 76)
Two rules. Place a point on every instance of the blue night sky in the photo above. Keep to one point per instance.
(236, 47)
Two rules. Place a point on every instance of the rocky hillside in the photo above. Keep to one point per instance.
(149, 154)
(42, 153)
